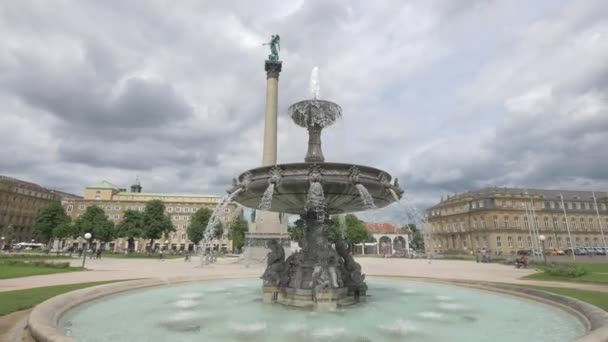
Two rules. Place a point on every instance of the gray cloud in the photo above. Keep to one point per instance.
(447, 96)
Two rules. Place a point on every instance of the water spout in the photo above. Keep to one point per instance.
(214, 222)
(395, 197)
(367, 199)
(315, 87)
(266, 201)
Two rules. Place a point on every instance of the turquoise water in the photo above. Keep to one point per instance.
(396, 311)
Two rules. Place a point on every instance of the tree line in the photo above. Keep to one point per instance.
(152, 224)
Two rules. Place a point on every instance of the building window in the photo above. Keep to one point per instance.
(474, 205)
(559, 242)
(526, 224)
(595, 242)
(555, 224)
(495, 219)
(82, 207)
(498, 242)
(546, 219)
(578, 205)
(510, 241)
(226, 210)
(520, 242)
(97, 197)
(591, 224)
(603, 206)
(183, 237)
(564, 224)
(529, 242)
(586, 242)
(570, 206)
(577, 242)
(178, 209)
(587, 206)
(474, 223)
(552, 205)
(481, 204)
(170, 209)
(69, 208)
(573, 222)
(506, 222)
(550, 242)
(482, 223)
(117, 207)
(583, 226)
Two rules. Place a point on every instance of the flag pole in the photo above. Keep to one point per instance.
(599, 221)
(568, 228)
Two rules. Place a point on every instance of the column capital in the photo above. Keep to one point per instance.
(273, 68)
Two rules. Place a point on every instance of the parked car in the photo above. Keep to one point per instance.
(554, 251)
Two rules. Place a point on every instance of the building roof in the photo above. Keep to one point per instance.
(546, 194)
(104, 184)
(382, 228)
(163, 194)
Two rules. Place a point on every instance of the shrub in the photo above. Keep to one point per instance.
(566, 270)
(35, 263)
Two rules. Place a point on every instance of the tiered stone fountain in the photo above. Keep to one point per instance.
(321, 274)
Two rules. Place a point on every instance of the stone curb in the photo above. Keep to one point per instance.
(44, 318)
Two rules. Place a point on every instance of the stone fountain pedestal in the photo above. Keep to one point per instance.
(326, 299)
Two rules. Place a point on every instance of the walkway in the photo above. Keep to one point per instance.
(119, 269)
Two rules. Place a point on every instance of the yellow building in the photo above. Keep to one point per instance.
(19, 205)
(180, 207)
(503, 220)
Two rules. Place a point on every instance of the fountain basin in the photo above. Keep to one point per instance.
(230, 310)
(338, 180)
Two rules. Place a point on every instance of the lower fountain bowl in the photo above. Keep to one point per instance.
(339, 183)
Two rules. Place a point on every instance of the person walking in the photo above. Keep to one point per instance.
(98, 253)
(160, 255)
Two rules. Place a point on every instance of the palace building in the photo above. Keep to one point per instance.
(180, 207)
(20, 202)
(504, 220)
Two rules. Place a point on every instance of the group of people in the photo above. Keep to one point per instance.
(483, 255)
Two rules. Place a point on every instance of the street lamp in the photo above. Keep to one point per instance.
(2, 239)
(542, 241)
(87, 237)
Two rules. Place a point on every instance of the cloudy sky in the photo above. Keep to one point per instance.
(446, 95)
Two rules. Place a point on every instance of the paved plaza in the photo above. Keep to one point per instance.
(120, 269)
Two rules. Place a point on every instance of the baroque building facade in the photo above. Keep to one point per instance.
(179, 207)
(20, 202)
(503, 220)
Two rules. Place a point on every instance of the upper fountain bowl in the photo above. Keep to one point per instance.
(345, 186)
(314, 113)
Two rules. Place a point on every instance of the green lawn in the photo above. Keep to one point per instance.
(11, 301)
(596, 278)
(8, 271)
(139, 256)
(597, 274)
(598, 299)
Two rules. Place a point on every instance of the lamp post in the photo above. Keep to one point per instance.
(2, 239)
(87, 237)
(542, 241)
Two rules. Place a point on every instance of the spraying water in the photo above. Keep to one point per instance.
(266, 201)
(315, 87)
(367, 199)
(214, 222)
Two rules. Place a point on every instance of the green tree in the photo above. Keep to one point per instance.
(198, 225)
(156, 222)
(64, 230)
(131, 227)
(356, 230)
(238, 228)
(95, 221)
(8, 233)
(47, 219)
(417, 239)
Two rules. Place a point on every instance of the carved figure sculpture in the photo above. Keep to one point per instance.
(275, 264)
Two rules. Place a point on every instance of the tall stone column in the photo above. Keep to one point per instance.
(268, 224)
(269, 155)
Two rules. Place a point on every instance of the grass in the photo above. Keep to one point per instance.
(599, 299)
(595, 273)
(28, 256)
(17, 269)
(139, 256)
(11, 301)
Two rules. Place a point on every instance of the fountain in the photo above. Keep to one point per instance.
(320, 275)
